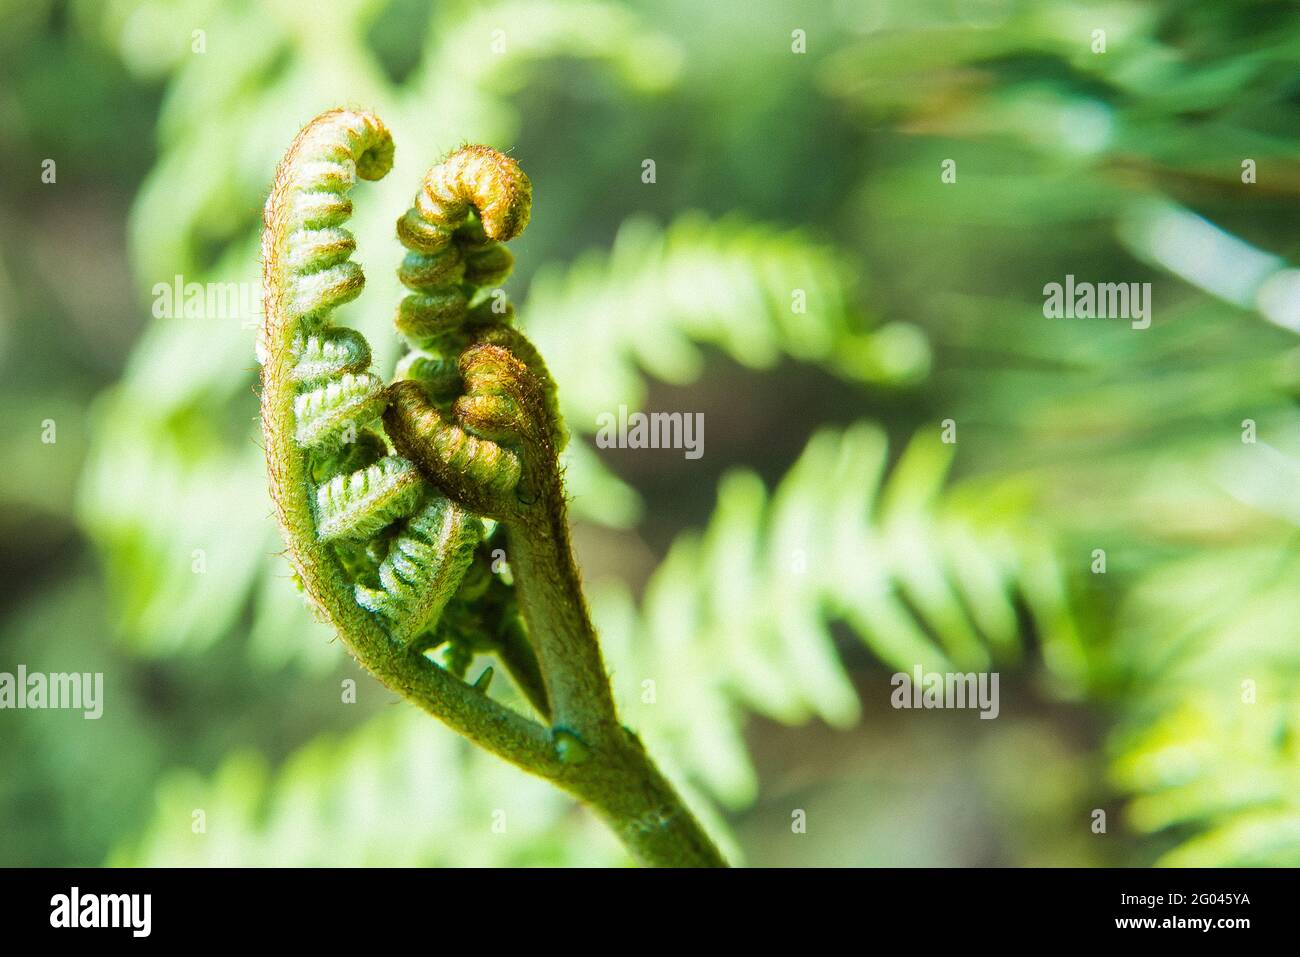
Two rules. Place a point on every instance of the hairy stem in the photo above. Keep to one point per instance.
(617, 777)
(610, 768)
(553, 606)
(638, 803)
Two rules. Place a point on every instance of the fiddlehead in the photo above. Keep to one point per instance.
(474, 178)
(470, 443)
(380, 550)
(361, 490)
(467, 206)
(478, 415)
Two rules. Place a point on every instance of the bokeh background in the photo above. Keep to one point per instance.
(826, 539)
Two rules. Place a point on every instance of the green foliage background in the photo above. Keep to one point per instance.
(827, 537)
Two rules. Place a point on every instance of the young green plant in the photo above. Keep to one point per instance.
(391, 498)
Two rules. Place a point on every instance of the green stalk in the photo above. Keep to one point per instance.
(612, 771)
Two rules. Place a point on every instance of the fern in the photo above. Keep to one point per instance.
(467, 205)
(360, 504)
(441, 537)
(493, 451)
(1208, 747)
(263, 79)
(738, 618)
(391, 793)
(308, 273)
(754, 291)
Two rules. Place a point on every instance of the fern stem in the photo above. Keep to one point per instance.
(551, 600)
(617, 778)
(625, 788)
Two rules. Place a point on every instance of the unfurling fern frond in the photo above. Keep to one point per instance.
(305, 255)
(192, 206)
(468, 205)
(473, 387)
(361, 503)
(492, 450)
(742, 615)
(336, 482)
(474, 179)
(440, 537)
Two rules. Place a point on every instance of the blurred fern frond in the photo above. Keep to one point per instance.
(395, 792)
(755, 291)
(739, 618)
(1209, 746)
(1219, 779)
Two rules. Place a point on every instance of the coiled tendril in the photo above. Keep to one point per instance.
(472, 393)
(403, 547)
